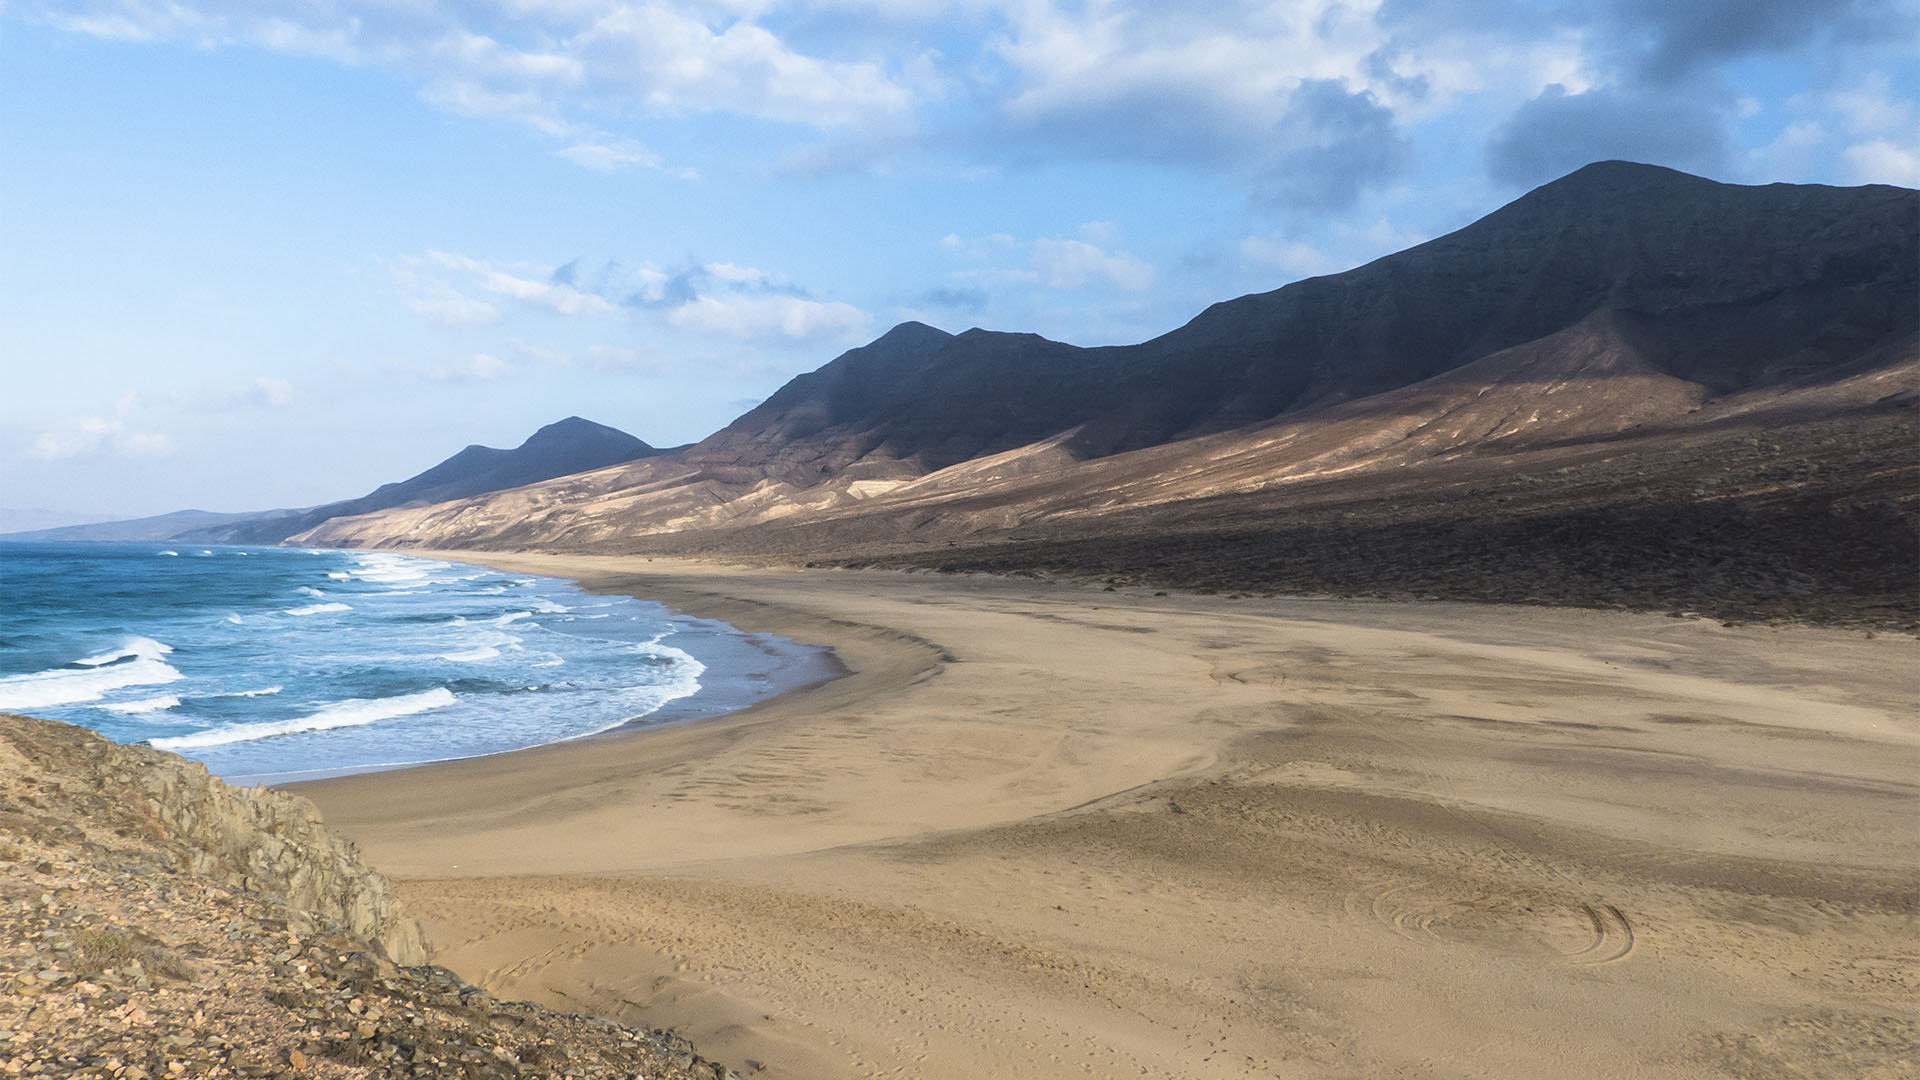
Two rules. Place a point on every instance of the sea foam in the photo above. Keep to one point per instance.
(395, 569)
(137, 662)
(354, 712)
(319, 609)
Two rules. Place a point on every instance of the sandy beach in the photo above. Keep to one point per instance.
(1044, 830)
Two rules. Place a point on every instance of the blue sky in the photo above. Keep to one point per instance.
(263, 253)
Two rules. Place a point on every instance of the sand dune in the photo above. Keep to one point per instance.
(1048, 831)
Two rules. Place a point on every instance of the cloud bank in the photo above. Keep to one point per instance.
(1308, 104)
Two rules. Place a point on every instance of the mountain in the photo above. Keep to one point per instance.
(1682, 260)
(1627, 340)
(567, 446)
(157, 529)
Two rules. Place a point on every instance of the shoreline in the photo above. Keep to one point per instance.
(1046, 830)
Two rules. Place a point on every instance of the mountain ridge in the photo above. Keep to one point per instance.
(565, 446)
(1646, 305)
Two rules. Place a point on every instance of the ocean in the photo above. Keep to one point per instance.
(277, 664)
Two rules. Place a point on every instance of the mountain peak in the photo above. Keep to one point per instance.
(1601, 181)
(575, 430)
(911, 332)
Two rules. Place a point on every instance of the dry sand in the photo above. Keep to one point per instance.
(1048, 831)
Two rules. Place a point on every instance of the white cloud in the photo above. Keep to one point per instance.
(1883, 148)
(1295, 257)
(1307, 102)
(546, 62)
(1792, 154)
(560, 299)
(715, 299)
(670, 61)
(1882, 161)
(761, 317)
(1073, 264)
(453, 309)
(99, 435)
(737, 275)
(557, 297)
(610, 155)
(1871, 109)
(1056, 262)
(1342, 247)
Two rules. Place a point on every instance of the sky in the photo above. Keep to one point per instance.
(266, 253)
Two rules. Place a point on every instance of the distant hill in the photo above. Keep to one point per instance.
(157, 529)
(1716, 381)
(559, 449)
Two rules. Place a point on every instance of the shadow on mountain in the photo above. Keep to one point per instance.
(1609, 373)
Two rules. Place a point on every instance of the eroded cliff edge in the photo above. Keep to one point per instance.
(156, 922)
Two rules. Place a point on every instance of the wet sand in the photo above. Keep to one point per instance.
(1043, 830)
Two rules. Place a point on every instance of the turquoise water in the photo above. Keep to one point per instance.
(284, 663)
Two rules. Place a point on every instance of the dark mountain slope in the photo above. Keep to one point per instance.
(559, 449)
(567, 446)
(1644, 382)
(1726, 286)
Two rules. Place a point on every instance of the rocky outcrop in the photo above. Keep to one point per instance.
(156, 923)
(247, 839)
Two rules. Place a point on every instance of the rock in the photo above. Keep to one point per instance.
(202, 888)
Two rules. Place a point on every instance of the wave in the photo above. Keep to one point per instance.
(175, 554)
(395, 569)
(686, 670)
(512, 617)
(483, 652)
(308, 590)
(685, 683)
(354, 712)
(144, 705)
(319, 609)
(133, 648)
(337, 575)
(262, 692)
(235, 619)
(483, 646)
(136, 663)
